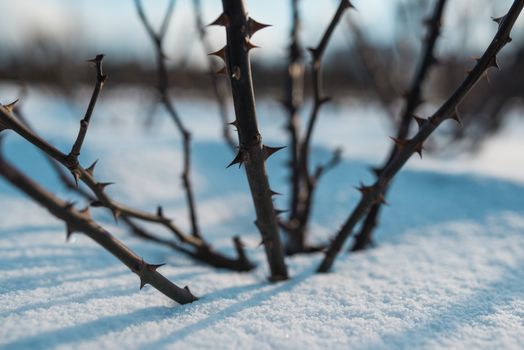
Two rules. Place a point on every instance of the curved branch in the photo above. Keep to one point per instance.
(413, 100)
(373, 194)
(163, 90)
(80, 221)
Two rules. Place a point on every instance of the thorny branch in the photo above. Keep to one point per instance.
(406, 147)
(252, 153)
(84, 123)
(413, 100)
(200, 249)
(80, 221)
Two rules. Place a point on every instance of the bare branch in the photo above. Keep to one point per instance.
(413, 100)
(252, 153)
(118, 210)
(293, 102)
(319, 100)
(304, 182)
(163, 90)
(84, 123)
(80, 221)
(374, 193)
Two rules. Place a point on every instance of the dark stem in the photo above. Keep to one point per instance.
(251, 151)
(413, 100)
(102, 198)
(203, 253)
(81, 222)
(84, 123)
(374, 193)
(293, 102)
(163, 90)
(306, 181)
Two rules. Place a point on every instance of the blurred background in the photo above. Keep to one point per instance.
(372, 56)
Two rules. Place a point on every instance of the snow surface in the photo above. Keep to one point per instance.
(448, 270)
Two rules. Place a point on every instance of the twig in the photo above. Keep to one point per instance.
(163, 90)
(219, 88)
(240, 28)
(294, 98)
(413, 100)
(102, 199)
(63, 176)
(306, 181)
(374, 193)
(80, 221)
(84, 123)
(293, 102)
(201, 253)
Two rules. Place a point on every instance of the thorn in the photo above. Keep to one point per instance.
(143, 282)
(456, 116)
(103, 185)
(499, 20)
(248, 45)
(268, 151)
(76, 176)
(85, 212)
(160, 211)
(254, 26)
(222, 71)
(220, 53)
(418, 148)
(324, 100)
(222, 20)
(278, 212)
(398, 142)
(364, 189)
(69, 232)
(236, 73)
(376, 171)
(493, 63)
(239, 159)
(234, 123)
(420, 121)
(313, 51)
(273, 193)
(10, 106)
(153, 267)
(116, 214)
(347, 4)
(91, 168)
(96, 204)
(97, 59)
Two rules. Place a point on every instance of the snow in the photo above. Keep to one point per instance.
(447, 272)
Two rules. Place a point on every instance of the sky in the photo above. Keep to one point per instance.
(112, 26)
